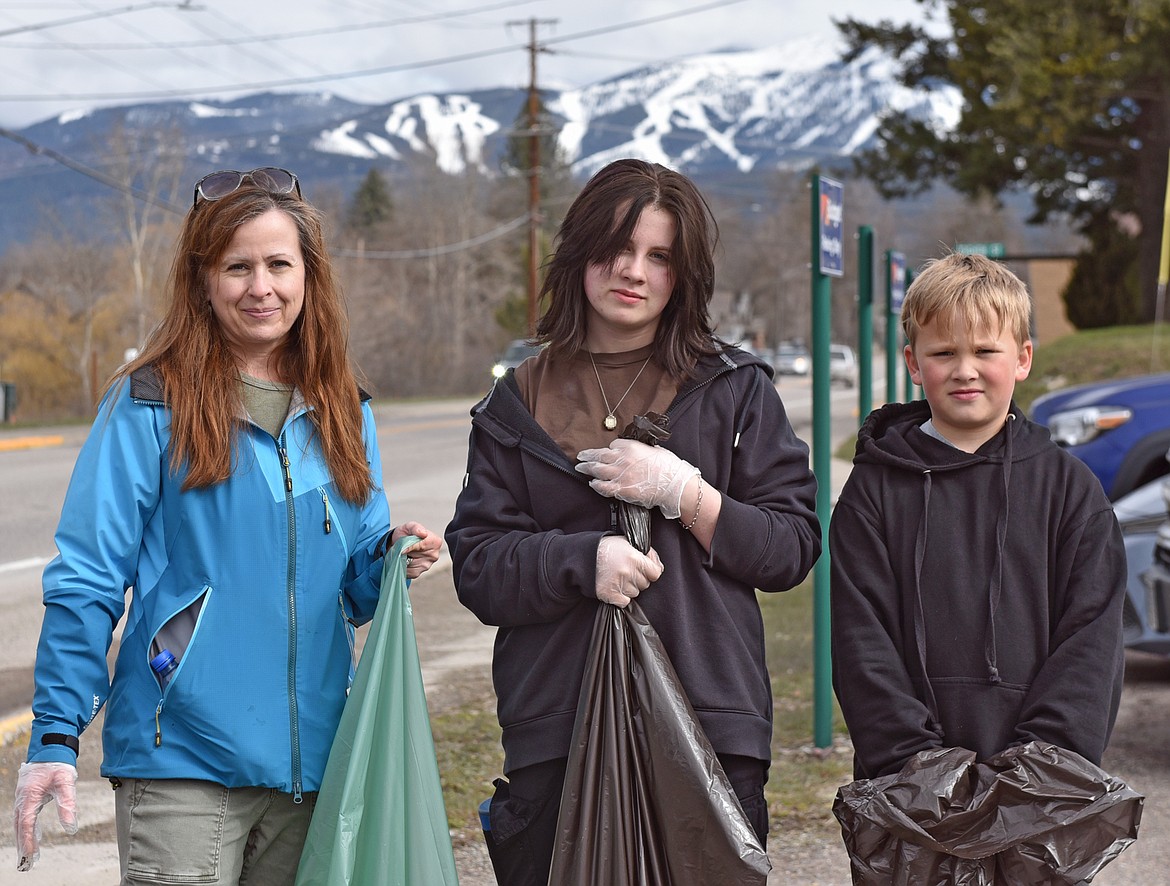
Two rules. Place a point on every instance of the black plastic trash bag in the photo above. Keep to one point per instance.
(645, 801)
(634, 520)
(1032, 814)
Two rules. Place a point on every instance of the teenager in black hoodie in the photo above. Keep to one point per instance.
(535, 542)
(978, 574)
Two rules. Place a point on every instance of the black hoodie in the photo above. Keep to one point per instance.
(976, 597)
(524, 549)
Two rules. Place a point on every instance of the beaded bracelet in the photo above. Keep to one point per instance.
(698, 504)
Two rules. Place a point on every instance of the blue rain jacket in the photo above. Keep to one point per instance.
(253, 584)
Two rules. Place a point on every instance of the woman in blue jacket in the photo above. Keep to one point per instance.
(232, 479)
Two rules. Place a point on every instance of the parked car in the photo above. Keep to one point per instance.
(1144, 519)
(1119, 428)
(516, 353)
(1156, 582)
(842, 366)
(791, 359)
(765, 354)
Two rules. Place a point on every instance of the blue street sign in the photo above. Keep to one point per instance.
(832, 215)
(897, 282)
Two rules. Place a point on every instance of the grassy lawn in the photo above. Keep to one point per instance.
(803, 780)
(1094, 355)
(1079, 358)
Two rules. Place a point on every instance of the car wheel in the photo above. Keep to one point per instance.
(1145, 461)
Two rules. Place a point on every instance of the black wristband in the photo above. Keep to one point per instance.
(69, 741)
(384, 545)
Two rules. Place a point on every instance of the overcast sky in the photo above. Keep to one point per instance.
(59, 55)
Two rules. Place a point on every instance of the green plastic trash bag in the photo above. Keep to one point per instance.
(380, 818)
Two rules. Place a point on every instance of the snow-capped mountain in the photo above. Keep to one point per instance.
(786, 106)
(722, 113)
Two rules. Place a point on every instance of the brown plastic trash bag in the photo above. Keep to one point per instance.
(1032, 814)
(645, 801)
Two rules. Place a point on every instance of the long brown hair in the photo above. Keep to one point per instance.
(200, 375)
(599, 225)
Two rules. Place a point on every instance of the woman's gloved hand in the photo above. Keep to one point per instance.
(639, 474)
(36, 785)
(623, 571)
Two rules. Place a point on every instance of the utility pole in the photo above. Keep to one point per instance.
(534, 133)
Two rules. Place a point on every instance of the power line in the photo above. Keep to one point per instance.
(68, 162)
(276, 38)
(431, 252)
(398, 254)
(366, 72)
(77, 19)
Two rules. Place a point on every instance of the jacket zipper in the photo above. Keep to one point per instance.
(294, 731)
(348, 625)
(163, 698)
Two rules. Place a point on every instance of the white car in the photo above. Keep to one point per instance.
(842, 366)
(791, 359)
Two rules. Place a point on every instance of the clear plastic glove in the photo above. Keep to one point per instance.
(623, 571)
(639, 474)
(36, 785)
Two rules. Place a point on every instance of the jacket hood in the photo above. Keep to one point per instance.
(891, 436)
(503, 413)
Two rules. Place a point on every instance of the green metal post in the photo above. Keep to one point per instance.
(893, 334)
(864, 322)
(822, 468)
(911, 390)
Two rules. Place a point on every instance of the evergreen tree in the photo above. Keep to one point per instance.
(518, 157)
(1070, 101)
(371, 204)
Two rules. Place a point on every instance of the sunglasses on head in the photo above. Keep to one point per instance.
(217, 185)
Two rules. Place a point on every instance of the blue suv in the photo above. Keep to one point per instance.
(1119, 428)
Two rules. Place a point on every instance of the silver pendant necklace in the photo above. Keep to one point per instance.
(610, 422)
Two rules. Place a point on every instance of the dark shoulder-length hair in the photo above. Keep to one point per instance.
(599, 225)
(200, 374)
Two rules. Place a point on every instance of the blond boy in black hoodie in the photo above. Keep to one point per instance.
(978, 573)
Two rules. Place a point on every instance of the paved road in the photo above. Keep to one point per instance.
(414, 438)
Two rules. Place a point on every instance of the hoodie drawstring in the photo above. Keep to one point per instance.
(919, 617)
(1001, 534)
(994, 591)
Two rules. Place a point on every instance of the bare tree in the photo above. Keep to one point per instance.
(422, 297)
(146, 162)
(73, 290)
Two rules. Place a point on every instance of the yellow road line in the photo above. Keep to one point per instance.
(14, 443)
(11, 728)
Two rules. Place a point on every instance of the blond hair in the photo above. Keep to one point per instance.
(973, 290)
